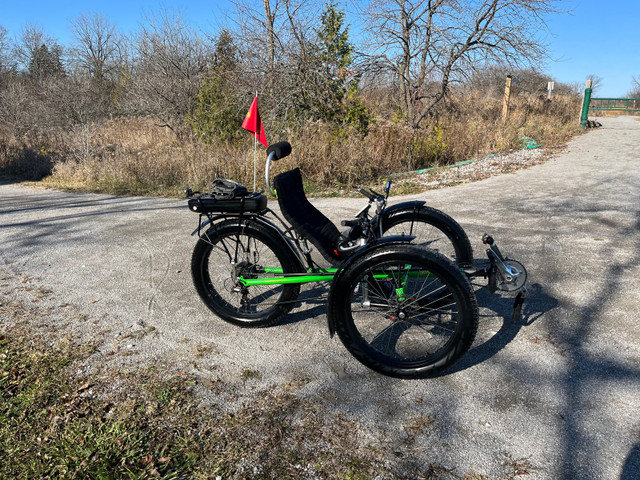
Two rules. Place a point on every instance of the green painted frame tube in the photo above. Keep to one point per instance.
(250, 282)
(314, 277)
(278, 270)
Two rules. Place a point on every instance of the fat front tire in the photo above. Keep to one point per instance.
(404, 311)
(226, 252)
(433, 229)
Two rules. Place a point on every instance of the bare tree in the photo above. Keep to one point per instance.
(278, 71)
(252, 26)
(269, 16)
(430, 44)
(17, 109)
(596, 82)
(307, 70)
(635, 90)
(171, 59)
(96, 48)
(525, 81)
(6, 63)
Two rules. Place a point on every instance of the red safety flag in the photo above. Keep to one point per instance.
(253, 123)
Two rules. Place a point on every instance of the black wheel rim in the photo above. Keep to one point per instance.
(411, 332)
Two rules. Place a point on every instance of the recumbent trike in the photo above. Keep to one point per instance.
(400, 296)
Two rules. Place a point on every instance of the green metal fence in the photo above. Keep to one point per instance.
(615, 104)
(606, 104)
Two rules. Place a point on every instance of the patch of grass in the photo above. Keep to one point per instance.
(248, 374)
(55, 425)
(516, 467)
(153, 423)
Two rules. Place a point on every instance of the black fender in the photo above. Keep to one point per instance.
(210, 220)
(262, 222)
(377, 244)
(397, 208)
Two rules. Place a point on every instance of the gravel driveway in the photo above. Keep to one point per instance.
(557, 396)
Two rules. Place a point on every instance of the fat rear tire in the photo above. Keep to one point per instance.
(253, 247)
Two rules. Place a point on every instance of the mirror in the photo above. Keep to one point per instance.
(387, 187)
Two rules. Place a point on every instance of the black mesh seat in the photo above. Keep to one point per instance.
(306, 219)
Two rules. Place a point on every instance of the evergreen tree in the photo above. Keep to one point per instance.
(217, 115)
(46, 63)
(338, 101)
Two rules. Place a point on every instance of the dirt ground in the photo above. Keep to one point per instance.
(555, 396)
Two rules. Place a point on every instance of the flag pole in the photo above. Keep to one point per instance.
(255, 155)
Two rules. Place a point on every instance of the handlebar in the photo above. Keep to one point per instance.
(371, 195)
(367, 194)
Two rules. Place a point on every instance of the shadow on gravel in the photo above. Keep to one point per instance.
(13, 205)
(106, 205)
(536, 304)
(631, 467)
(63, 216)
(312, 302)
(590, 375)
(577, 388)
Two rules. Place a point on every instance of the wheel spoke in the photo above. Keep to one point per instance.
(411, 316)
(226, 254)
(432, 229)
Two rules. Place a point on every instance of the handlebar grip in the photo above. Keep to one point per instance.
(349, 223)
(367, 194)
(280, 149)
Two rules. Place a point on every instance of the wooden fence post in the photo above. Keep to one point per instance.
(507, 96)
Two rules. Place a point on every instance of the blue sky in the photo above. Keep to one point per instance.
(596, 37)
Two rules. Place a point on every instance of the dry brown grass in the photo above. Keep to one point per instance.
(135, 156)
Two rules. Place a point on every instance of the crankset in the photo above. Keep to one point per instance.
(506, 274)
(510, 275)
